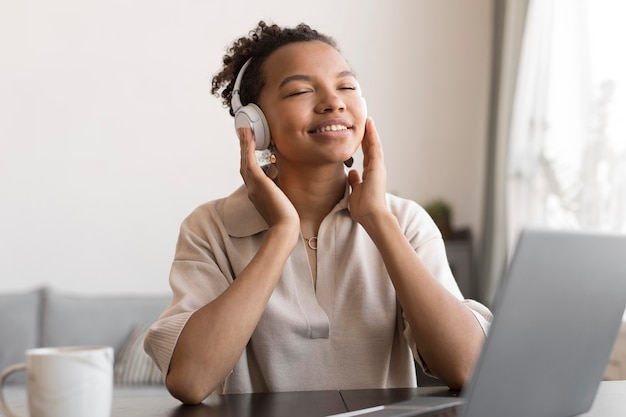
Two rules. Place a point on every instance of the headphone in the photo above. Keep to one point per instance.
(250, 115)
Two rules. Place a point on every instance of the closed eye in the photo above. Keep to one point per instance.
(298, 93)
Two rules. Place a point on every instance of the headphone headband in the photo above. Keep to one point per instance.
(249, 115)
(235, 100)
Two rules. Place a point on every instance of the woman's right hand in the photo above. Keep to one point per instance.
(215, 336)
(267, 197)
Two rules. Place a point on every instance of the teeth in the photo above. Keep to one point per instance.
(332, 128)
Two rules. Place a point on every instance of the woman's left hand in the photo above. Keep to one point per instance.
(367, 198)
(269, 200)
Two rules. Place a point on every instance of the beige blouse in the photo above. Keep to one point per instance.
(348, 332)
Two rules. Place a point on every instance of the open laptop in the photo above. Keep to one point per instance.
(556, 318)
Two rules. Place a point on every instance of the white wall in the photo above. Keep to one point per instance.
(109, 135)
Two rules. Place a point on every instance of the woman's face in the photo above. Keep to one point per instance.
(313, 105)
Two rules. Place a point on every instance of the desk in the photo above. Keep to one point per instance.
(609, 402)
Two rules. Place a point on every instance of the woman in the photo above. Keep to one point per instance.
(311, 279)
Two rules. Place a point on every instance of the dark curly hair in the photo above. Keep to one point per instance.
(260, 43)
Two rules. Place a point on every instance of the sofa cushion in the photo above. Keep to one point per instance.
(133, 366)
(96, 320)
(19, 329)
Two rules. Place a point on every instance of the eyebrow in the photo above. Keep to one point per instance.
(300, 77)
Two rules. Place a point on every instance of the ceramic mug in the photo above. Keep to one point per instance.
(73, 381)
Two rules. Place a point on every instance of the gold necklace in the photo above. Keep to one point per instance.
(311, 242)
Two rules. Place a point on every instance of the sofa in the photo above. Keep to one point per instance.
(45, 317)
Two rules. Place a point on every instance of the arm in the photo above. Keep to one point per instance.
(448, 336)
(215, 336)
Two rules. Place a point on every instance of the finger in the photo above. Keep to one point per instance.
(366, 143)
(247, 142)
(373, 145)
(354, 178)
(246, 149)
(242, 144)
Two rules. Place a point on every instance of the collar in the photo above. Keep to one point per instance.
(242, 219)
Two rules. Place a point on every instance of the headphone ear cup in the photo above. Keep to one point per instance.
(252, 116)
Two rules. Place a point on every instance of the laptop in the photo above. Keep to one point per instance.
(556, 318)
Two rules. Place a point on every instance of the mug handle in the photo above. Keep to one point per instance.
(8, 371)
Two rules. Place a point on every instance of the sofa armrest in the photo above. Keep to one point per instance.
(19, 328)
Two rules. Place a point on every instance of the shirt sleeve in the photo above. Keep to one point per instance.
(426, 238)
(196, 278)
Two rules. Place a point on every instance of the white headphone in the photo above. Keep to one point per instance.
(250, 115)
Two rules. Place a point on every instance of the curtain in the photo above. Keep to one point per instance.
(567, 151)
(558, 130)
(509, 21)
(528, 124)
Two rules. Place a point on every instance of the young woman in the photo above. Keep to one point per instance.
(308, 278)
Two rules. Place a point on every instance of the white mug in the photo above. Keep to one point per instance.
(74, 381)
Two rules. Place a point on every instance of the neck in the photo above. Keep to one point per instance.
(313, 193)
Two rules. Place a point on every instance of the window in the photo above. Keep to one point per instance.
(567, 151)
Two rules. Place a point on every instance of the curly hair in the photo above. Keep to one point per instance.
(260, 43)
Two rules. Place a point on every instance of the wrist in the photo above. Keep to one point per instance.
(286, 233)
(378, 222)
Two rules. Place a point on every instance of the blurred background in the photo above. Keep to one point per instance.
(110, 135)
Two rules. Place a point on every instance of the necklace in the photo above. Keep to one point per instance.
(311, 242)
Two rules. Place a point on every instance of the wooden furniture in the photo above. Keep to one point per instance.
(461, 260)
(609, 402)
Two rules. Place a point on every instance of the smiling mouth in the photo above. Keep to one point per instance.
(331, 128)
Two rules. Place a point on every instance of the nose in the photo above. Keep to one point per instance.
(330, 102)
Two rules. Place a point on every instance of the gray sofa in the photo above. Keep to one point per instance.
(45, 317)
